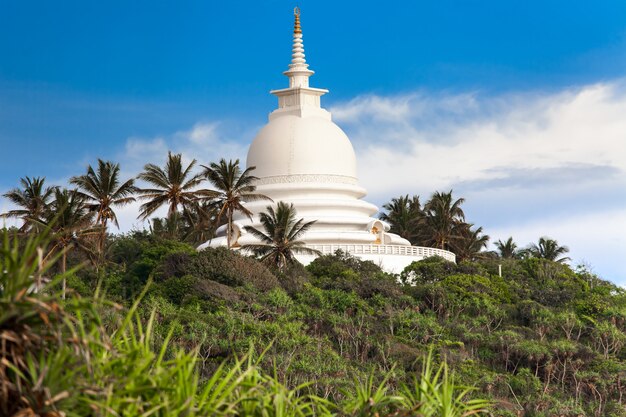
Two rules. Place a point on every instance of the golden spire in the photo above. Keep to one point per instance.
(298, 71)
(296, 26)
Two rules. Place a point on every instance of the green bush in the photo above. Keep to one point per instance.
(344, 272)
(526, 384)
(427, 271)
(232, 269)
(176, 289)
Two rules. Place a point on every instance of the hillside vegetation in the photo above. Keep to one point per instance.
(541, 340)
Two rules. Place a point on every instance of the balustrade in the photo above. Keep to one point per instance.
(420, 251)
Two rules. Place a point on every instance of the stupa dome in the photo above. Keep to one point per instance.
(294, 145)
(304, 159)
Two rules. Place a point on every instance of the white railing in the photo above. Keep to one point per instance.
(417, 251)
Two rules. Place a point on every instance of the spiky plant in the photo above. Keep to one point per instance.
(370, 399)
(436, 394)
(36, 360)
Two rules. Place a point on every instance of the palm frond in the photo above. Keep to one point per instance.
(280, 237)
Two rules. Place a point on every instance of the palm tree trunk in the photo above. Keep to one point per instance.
(103, 236)
(171, 215)
(63, 269)
(229, 215)
(39, 268)
(101, 244)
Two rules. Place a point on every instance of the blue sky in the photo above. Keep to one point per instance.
(515, 105)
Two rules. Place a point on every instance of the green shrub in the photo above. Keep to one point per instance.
(345, 272)
(339, 263)
(176, 289)
(232, 269)
(278, 298)
(293, 278)
(427, 271)
(551, 283)
(526, 384)
(207, 289)
(140, 257)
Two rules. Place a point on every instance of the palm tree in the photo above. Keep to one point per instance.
(71, 224)
(168, 227)
(32, 199)
(507, 249)
(442, 215)
(280, 241)
(233, 187)
(102, 191)
(174, 186)
(548, 249)
(469, 243)
(200, 222)
(403, 215)
(195, 225)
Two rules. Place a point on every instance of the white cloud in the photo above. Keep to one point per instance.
(138, 151)
(546, 132)
(205, 142)
(127, 217)
(517, 158)
(379, 108)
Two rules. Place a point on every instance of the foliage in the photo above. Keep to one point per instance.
(469, 244)
(174, 186)
(507, 249)
(403, 215)
(344, 272)
(547, 248)
(442, 217)
(279, 240)
(232, 187)
(36, 364)
(439, 223)
(137, 257)
(102, 190)
(230, 268)
(32, 200)
(82, 358)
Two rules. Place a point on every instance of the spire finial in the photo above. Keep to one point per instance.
(299, 95)
(298, 72)
(297, 51)
(296, 26)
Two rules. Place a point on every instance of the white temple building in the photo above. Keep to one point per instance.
(302, 157)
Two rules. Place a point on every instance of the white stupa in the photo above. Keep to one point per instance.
(302, 157)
